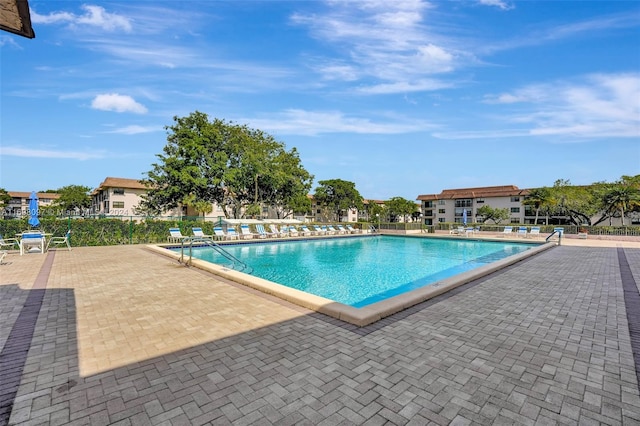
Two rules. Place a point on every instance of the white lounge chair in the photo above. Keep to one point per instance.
(60, 241)
(341, 229)
(232, 234)
(245, 232)
(275, 231)
(331, 230)
(508, 230)
(219, 233)
(306, 231)
(32, 239)
(319, 230)
(263, 233)
(522, 231)
(353, 230)
(293, 232)
(9, 242)
(199, 233)
(535, 231)
(3, 253)
(175, 235)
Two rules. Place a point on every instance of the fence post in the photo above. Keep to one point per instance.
(130, 229)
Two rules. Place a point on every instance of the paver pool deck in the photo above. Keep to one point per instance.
(121, 335)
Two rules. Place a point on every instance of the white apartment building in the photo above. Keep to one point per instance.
(450, 204)
(19, 204)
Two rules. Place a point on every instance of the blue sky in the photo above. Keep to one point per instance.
(401, 97)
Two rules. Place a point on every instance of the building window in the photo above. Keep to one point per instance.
(118, 204)
(106, 207)
(480, 201)
(515, 209)
(441, 219)
(515, 220)
(118, 191)
(441, 211)
(318, 211)
(515, 199)
(441, 202)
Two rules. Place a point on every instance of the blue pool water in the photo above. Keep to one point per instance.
(359, 271)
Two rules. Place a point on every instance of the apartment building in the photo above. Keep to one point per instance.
(450, 205)
(19, 204)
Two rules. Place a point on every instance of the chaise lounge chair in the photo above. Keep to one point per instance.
(263, 233)
(220, 234)
(319, 230)
(522, 231)
(9, 242)
(175, 235)
(245, 232)
(199, 233)
(508, 230)
(275, 231)
(535, 231)
(60, 240)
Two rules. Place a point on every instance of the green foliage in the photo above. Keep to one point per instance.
(399, 207)
(338, 195)
(5, 198)
(103, 232)
(496, 215)
(232, 165)
(72, 198)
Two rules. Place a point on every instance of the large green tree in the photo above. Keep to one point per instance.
(399, 207)
(5, 198)
(72, 198)
(621, 197)
(338, 196)
(222, 162)
(496, 215)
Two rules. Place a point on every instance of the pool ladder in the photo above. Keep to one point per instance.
(555, 231)
(236, 264)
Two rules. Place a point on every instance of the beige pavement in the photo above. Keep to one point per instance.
(134, 305)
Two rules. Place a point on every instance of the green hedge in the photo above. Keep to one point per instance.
(103, 232)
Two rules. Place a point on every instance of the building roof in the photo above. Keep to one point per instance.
(15, 17)
(21, 194)
(480, 192)
(115, 182)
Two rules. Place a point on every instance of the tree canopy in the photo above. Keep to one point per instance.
(399, 207)
(338, 196)
(72, 198)
(496, 215)
(221, 162)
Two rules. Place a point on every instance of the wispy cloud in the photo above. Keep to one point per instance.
(17, 151)
(94, 16)
(311, 123)
(497, 3)
(598, 105)
(136, 130)
(118, 103)
(385, 47)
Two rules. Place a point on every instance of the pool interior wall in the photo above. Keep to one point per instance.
(358, 316)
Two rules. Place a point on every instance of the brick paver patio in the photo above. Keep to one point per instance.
(124, 336)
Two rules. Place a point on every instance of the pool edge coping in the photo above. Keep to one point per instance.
(357, 316)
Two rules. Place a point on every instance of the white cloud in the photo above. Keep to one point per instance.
(383, 44)
(310, 123)
(94, 16)
(497, 3)
(16, 151)
(118, 103)
(598, 105)
(135, 130)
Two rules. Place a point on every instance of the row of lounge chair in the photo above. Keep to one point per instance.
(175, 235)
(522, 231)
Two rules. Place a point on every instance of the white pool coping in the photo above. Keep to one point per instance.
(357, 316)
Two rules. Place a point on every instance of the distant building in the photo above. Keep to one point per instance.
(19, 204)
(449, 206)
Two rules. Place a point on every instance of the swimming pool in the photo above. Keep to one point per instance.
(360, 271)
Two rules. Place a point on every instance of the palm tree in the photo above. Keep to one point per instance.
(538, 198)
(622, 197)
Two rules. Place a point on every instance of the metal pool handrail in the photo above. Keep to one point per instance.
(552, 234)
(243, 267)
